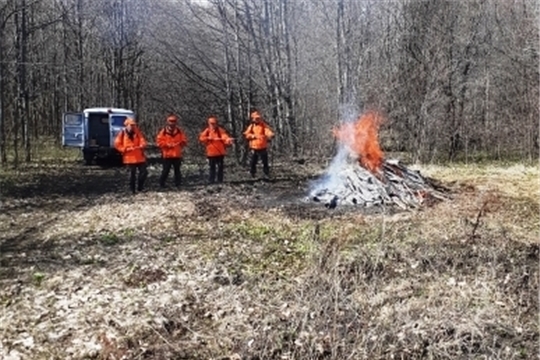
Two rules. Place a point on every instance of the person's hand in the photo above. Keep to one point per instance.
(130, 148)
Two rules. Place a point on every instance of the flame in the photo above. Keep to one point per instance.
(362, 139)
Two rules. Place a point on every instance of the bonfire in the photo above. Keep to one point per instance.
(360, 175)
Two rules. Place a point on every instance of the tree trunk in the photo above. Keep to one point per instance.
(288, 94)
(20, 118)
(3, 154)
(237, 126)
(227, 63)
(22, 90)
(80, 55)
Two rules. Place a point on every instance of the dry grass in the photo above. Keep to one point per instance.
(237, 274)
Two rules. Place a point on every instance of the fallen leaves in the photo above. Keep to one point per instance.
(194, 274)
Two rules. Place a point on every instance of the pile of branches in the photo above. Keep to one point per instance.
(393, 185)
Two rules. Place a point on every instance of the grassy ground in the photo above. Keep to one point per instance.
(249, 270)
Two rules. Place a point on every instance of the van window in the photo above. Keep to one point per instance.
(118, 120)
(73, 119)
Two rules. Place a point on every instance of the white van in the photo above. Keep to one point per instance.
(93, 131)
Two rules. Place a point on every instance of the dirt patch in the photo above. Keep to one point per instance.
(143, 213)
(248, 269)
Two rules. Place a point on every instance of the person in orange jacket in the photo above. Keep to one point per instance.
(258, 133)
(171, 140)
(216, 139)
(130, 142)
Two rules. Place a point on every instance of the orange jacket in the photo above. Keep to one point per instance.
(216, 141)
(171, 144)
(131, 148)
(258, 135)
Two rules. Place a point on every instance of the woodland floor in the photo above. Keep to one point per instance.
(250, 270)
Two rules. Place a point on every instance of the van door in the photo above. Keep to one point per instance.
(73, 130)
(116, 124)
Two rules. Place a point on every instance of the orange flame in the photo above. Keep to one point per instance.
(362, 138)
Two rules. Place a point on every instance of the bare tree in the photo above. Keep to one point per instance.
(456, 80)
(5, 14)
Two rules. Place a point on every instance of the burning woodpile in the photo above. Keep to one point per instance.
(359, 175)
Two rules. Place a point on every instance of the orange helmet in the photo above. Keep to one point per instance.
(129, 121)
(172, 119)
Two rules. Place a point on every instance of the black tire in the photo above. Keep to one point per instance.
(88, 158)
(115, 159)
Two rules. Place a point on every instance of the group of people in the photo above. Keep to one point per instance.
(171, 140)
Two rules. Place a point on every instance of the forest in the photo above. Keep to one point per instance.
(397, 218)
(456, 80)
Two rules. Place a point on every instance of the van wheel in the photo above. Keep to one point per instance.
(88, 158)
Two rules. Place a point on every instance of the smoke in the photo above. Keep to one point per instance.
(348, 113)
(332, 177)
